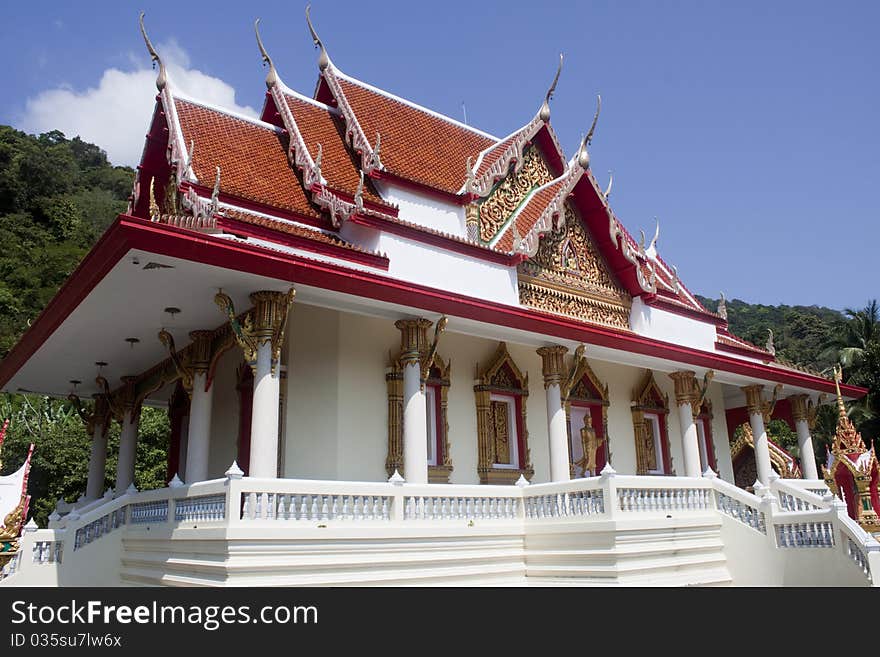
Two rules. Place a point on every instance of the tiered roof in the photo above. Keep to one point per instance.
(310, 163)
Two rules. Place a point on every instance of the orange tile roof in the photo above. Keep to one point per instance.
(252, 158)
(322, 126)
(416, 144)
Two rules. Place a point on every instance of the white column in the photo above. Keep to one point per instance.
(127, 449)
(687, 395)
(805, 445)
(560, 464)
(690, 445)
(415, 425)
(264, 419)
(199, 429)
(801, 415)
(755, 405)
(97, 461)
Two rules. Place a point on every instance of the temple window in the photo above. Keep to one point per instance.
(650, 411)
(502, 438)
(586, 409)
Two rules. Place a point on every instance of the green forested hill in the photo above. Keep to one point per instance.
(801, 334)
(57, 196)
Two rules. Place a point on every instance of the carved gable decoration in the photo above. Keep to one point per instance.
(587, 387)
(649, 397)
(492, 213)
(568, 276)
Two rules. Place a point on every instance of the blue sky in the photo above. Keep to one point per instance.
(748, 128)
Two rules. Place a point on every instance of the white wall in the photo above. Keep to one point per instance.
(424, 210)
(671, 327)
(336, 410)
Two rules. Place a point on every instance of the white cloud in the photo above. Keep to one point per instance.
(116, 114)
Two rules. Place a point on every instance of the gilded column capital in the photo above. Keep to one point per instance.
(99, 415)
(686, 389)
(265, 322)
(201, 351)
(799, 407)
(553, 364)
(413, 339)
(754, 398)
(126, 396)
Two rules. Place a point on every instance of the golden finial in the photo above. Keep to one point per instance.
(544, 113)
(272, 75)
(162, 80)
(323, 58)
(838, 378)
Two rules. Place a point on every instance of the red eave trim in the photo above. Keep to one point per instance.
(744, 351)
(239, 227)
(660, 302)
(435, 239)
(132, 233)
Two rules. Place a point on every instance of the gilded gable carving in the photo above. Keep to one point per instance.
(510, 193)
(567, 276)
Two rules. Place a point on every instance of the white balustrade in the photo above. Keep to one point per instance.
(204, 508)
(745, 512)
(48, 552)
(313, 507)
(804, 535)
(857, 554)
(152, 512)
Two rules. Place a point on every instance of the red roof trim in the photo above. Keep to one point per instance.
(743, 351)
(674, 305)
(131, 233)
(238, 227)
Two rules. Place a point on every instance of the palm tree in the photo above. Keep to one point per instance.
(862, 329)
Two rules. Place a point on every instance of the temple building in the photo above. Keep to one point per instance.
(396, 349)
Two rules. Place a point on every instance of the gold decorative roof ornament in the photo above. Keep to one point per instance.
(323, 58)
(583, 155)
(272, 76)
(722, 307)
(162, 80)
(544, 112)
(848, 449)
(846, 439)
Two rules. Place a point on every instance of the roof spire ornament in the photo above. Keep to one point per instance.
(595, 119)
(323, 58)
(375, 161)
(215, 194)
(544, 112)
(653, 244)
(272, 75)
(162, 80)
(607, 193)
(770, 346)
(470, 177)
(318, 159)
(722, 307)
(583, 155)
